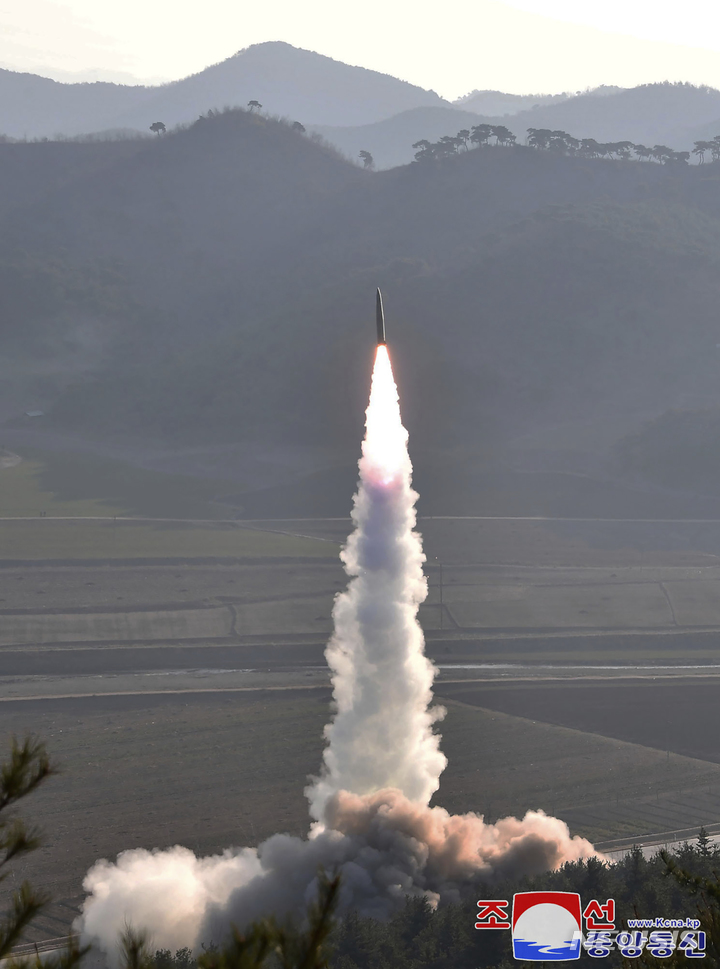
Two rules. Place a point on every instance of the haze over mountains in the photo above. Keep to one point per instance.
(297, 84)
(216, 285)
(353, 108)
(496, 103)
(670, 114)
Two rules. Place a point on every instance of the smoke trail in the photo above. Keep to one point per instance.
(381, 735)
(381, 765)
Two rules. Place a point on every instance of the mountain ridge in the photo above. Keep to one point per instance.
(299, 84)
(671, 114)
(236, 263)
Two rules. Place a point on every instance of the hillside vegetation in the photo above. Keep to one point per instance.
(652, 114)
(238, 261)
(678, 449)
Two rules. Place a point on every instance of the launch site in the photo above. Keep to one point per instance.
(359, 486)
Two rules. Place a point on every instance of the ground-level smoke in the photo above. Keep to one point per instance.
(381, 765)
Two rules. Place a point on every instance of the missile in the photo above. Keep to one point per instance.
(380, 320)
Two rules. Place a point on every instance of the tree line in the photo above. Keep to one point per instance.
(560, 142)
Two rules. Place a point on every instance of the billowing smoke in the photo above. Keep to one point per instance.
(381, 765)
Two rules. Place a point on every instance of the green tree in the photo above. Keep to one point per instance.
(425, 150)
(700, 148)
(367, 159)
(621, 148)
(589, 148)
(183, 959)
(448, 145)
(253, 105)
(562, 143)
(707, 892)
(481, 134)
(158, 127)
(266, 944)
(538, 137)
(662, 154)
(705, 846)
(503, 135)
(27, 768)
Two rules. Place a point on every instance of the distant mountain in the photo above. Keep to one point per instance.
(499, 103)
(650, 114)
(287, 81)
(703, 132)
(35, 107)
(354, 108)
(390, 141)
(671, 114)
(293, 83)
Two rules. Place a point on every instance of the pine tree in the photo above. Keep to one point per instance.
(27, 768)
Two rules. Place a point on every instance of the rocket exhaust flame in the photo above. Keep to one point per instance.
(384, 450)
(381, 765)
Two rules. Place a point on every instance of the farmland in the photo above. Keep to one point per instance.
(176, 669)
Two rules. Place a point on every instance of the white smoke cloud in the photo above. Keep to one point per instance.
(381, 765)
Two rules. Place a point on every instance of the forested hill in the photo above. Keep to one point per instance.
(224, 277)
(667, 114)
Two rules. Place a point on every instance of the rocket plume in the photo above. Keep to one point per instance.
(381, 765)
(381, 734)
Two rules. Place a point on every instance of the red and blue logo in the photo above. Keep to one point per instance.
(546, 926)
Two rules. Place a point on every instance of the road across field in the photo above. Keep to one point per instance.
(180, 681)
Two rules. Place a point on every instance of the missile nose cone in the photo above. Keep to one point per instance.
(380, 319)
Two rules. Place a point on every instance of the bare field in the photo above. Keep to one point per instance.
(215, 770)
(192, 605)
(671, 581)
(683, 716)
(97, 587)
(567, 543)
(503, 764)
(549, 611)
(73, 538)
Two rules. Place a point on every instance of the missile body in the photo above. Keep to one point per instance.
(380, 319)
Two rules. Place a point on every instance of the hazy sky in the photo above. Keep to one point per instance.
(514, 45)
